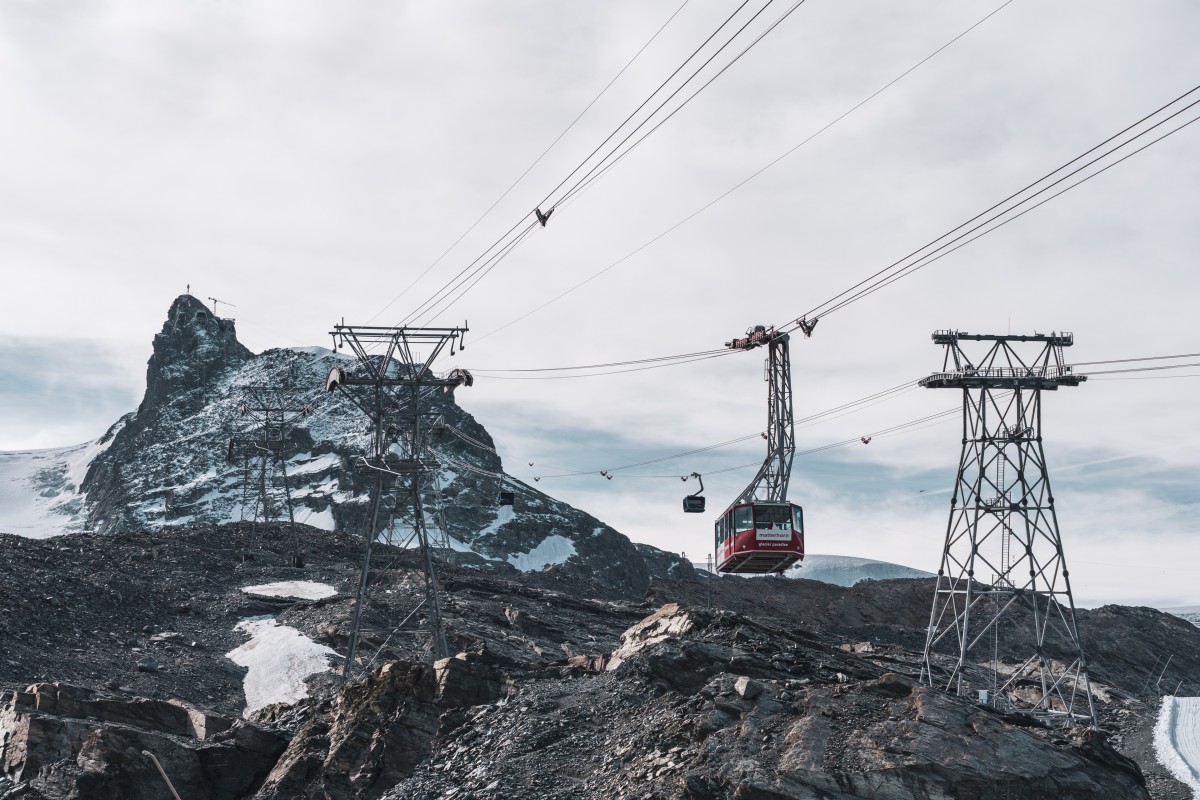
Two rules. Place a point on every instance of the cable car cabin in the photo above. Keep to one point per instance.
(757, 538)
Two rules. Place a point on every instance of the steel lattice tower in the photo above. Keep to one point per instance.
(392, 387)
(1003, 555)
(269, 414)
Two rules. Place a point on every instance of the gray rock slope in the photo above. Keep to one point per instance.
(166, 464)
(781, 689)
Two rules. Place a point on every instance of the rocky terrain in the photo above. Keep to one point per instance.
(734, 688)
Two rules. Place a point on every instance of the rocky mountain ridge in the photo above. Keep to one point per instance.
(167, 464)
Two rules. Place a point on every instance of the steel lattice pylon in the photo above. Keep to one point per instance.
(269, 413)
(392, 387)
(1003, 555)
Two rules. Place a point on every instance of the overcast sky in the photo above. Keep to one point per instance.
(305, 162)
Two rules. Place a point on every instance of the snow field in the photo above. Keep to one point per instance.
(37, 488)
(1177, 738)
(554, 549)
(504, 515)
(278, 658)
(302, 590)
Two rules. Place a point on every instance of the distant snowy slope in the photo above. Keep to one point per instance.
(1190, 613)
(1177, 738)
(847, 570)
(39, 490)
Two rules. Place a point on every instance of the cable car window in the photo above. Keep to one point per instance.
(773, 517)
(743, 518)
(798, 513)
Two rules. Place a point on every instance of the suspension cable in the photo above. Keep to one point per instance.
(536, 161)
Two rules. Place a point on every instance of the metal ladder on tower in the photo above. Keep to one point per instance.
(1005, 531)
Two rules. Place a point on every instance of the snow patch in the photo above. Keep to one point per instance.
(503, 516)
(554, 549)
(303, 590)
(318, 519)
(78, 463)
(322, 352)
(1177, 738)
(304, 463)
(455, 544)
(278, 658)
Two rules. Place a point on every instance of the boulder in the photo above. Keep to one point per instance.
(71, 743)
(379, 728)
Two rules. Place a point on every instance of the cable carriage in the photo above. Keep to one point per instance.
(762, 531)
(757, 538)
(694, 503)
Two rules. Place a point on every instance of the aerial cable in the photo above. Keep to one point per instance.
(479, 274)
(585, 180)
(745, 180)
(867, 400)
(610, 363)
(651, 96)
(717, 354)
(484, 269)
(465, 465)
(1152, 377)
(1144, 369)
(541, 217)
(469, 270)
(499, 242)
(855, 405)
(1128, 360)
(469, 440)
(914, 424)
(870, 399)
(926, 261)
(536, 161)
(1002, 202)
(580, 189)
(684, 454)
(865, 286)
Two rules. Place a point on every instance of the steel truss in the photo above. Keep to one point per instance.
(392, 384)
(770, 484)
(268, 415)
(1003, 554)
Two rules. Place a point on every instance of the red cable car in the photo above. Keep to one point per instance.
(756, 538)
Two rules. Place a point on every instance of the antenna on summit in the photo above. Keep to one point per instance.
(215, 301)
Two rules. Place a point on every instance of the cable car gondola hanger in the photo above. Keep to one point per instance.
(761, 531)
(694, 503)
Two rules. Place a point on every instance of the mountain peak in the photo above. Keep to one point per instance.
(194, 347)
